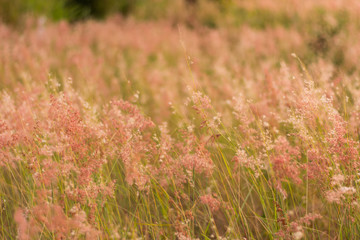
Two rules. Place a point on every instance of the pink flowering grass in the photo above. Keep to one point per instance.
(125, 129)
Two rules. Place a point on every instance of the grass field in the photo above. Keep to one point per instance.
(210, 120)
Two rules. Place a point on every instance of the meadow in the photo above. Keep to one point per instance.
(203, 121)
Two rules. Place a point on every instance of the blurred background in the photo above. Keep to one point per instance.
(211, 13)
(14, 11)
